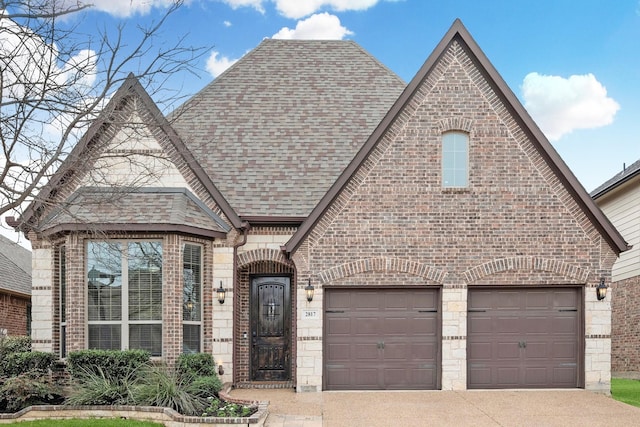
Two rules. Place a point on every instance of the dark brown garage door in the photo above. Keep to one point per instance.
(380, 339)
(524, 338)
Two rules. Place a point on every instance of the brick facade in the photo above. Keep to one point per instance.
(625, 319)
(13, 314)
(514, 225)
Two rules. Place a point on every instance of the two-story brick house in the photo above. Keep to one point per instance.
(312, 221)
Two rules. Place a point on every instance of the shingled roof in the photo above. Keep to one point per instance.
(122, 209)
(275, 130)
(15, 267)
(618, 179)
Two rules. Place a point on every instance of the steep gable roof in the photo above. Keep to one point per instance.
(275, 130)
(459, 33)
(15, 267)
(74, 164)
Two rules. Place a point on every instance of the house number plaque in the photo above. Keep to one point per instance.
(310, 314)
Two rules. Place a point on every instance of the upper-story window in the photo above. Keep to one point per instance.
(455, 159)
(124, 280)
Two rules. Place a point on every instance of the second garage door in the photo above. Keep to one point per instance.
(524, 338)
(377, 339)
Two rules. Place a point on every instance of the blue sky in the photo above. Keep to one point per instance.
(575, 65)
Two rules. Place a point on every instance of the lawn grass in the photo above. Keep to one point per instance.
(94, 422)
(627, 391)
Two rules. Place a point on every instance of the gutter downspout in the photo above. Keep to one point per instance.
(245, 227)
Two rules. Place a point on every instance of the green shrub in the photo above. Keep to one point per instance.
(19, 344)
(97, 387)
(196, 365)
(28, 389)
(159, 386)
(220, 408)
(35, 362)
(112, 364)
(205, 386)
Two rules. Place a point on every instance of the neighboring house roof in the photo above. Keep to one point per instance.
(511, 102)
(627, 174)
(115, 209)
(15, 268)
(275, 130)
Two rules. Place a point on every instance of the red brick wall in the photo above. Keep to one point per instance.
(396, 213)
(13, 314)
(625, 328)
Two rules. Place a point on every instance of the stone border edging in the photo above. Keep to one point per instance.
(166, 416)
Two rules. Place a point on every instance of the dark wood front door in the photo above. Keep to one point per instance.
(270, 329)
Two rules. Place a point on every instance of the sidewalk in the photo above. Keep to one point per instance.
(553, 408)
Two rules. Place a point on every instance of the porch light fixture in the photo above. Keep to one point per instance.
(601, 290)
(309, 291)
(221, 293)
(220, 369)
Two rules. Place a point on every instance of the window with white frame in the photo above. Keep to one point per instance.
(192, 298)
(455, 159)
(124, 280)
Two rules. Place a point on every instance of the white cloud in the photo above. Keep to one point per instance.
(235, 4)
(124, 8)
(321, 26)
(216, 66)
(297, 9)
(560, 105)
(227, 24)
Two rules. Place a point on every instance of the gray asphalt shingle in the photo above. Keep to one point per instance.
(15, 267)
(275, 130)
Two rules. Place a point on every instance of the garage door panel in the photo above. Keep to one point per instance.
(507, 376)
(396, 326)
(507, 325)
(564, 325)
(480, 351)
(421, 326)
(479, 324)
(365, 302)
(385, 339)
(508, 350)
(423, 351)
(367, 377)
(481, 376)
(364, 326)
(339, 352)
(338, 326)
(537, 345)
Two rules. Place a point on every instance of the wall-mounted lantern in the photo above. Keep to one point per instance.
(220, 369)
(309, 291)
(221, 293)
(601, 290)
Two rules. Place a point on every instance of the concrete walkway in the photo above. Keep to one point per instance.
(561, 408)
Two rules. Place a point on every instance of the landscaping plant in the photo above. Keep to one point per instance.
(26, 376)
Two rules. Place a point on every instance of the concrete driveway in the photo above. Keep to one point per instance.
(443, 408)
